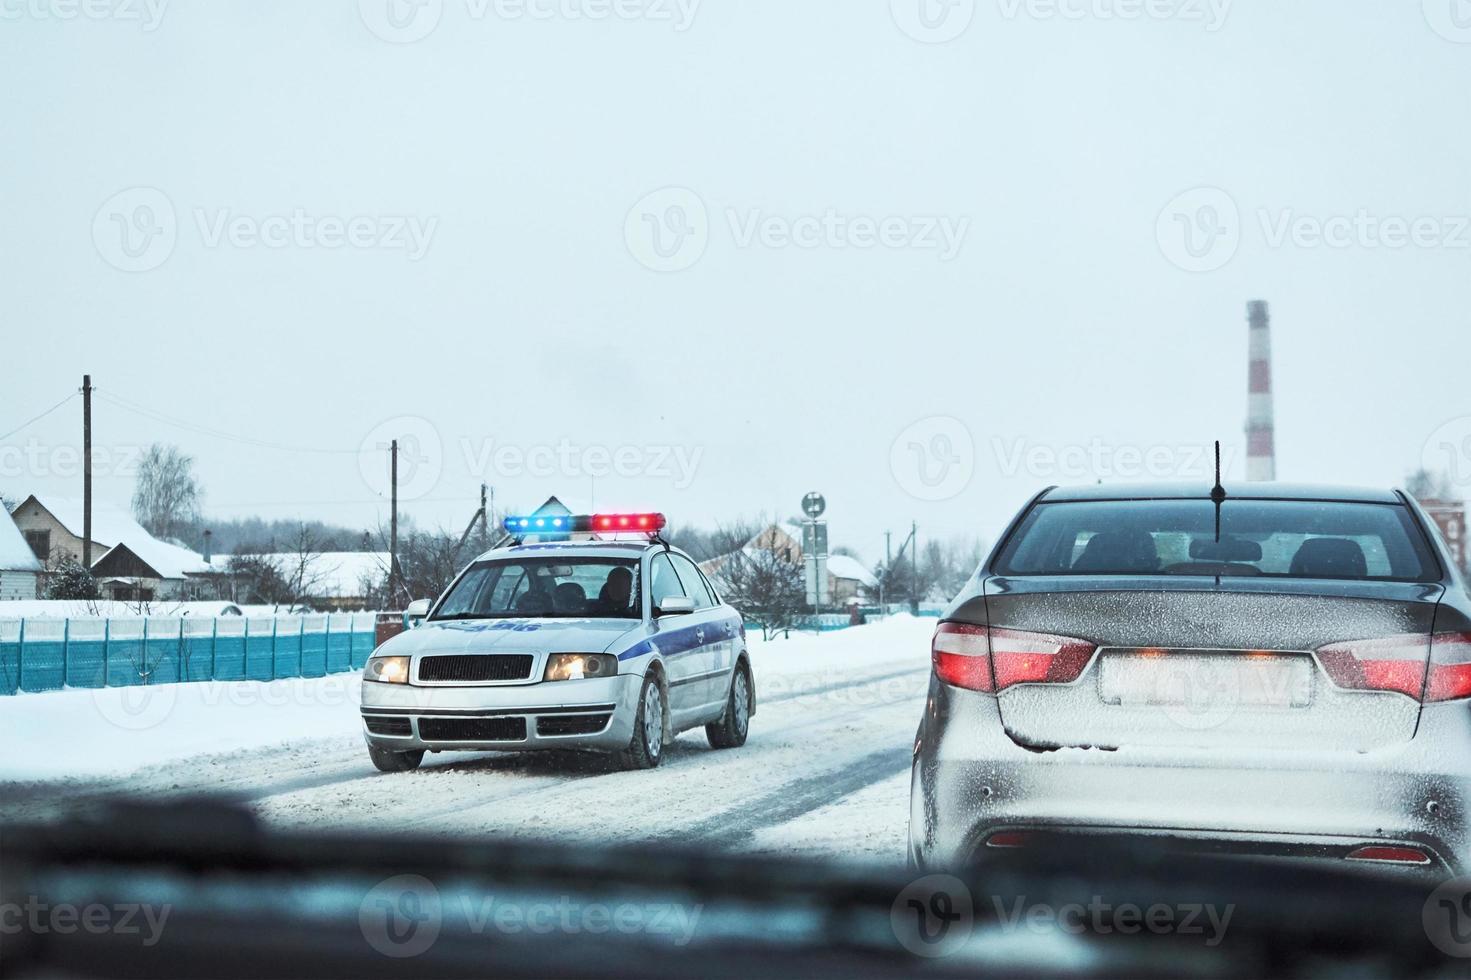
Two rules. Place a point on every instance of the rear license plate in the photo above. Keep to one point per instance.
(1194, 679)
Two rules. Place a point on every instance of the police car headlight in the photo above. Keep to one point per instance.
(387, 670)
(577, 666)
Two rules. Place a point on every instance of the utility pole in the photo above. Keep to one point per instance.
(914, 563)
(484, 521)
(888, 567)
(87, 472)
(393, 521)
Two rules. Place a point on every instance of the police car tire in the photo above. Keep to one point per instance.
(639, 755)
(727, 733)
(389, 761)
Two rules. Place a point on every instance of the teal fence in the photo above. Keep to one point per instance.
(51, 654)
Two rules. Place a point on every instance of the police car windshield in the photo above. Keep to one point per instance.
(545, 587)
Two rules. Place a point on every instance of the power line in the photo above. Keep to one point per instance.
(158, 416)
(38, 418)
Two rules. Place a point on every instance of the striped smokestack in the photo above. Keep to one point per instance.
(1261, 451)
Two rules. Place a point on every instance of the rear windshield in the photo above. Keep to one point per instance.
(1279, 538)
(545, 588)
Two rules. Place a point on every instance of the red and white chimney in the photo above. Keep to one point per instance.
(1261, 450)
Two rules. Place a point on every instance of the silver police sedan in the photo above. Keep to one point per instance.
(609, 645)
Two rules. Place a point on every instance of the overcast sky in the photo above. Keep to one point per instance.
(923, 260)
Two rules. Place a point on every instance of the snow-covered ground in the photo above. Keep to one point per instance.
(825, 768)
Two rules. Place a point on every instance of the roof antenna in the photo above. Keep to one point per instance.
(1218, 492)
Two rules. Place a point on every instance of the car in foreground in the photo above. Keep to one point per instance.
(1271, 670)
(572, 637)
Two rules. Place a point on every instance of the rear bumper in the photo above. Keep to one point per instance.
(586, 714)
(971, 780)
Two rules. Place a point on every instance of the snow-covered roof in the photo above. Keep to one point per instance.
(15, 554)
(843, 566)
(112, 526)
(329, 575)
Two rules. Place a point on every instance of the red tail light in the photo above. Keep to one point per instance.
(1393, 663)
(1450, 667)
(962, 656)
(981, 658)
(1398, 663)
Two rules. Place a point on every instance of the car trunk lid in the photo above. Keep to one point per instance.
(1221, 663)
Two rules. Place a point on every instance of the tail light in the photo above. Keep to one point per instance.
(1398, 663)
(1393, 663)
(1450, 667)
(962, 656)
(990, 658)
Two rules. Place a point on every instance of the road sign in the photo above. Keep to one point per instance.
(814, 538)
(818, 594)
(814, 504)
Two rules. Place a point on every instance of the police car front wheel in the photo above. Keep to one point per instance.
(730, 731)
(650, 728)
(389, 761)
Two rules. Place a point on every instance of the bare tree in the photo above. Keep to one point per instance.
(166, 496)
(765, 584)
(1427, 485)
(302, 566)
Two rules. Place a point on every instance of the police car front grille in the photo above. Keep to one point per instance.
(484, 667)
(472, 729)
(571, 724)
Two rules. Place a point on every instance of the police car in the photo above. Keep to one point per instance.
(586, 632)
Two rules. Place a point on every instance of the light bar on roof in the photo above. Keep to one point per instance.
(604, 523)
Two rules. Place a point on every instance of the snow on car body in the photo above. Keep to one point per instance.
(610, 645)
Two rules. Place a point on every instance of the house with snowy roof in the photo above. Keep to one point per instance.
(20, 569)
(332, 581)
(846, 576)
(129, 564)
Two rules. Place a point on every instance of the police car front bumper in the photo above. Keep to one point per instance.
(594, 713)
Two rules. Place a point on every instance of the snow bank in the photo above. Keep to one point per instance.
(116, 731)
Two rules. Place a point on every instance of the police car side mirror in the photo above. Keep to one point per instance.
(677, 605)
(416, 612)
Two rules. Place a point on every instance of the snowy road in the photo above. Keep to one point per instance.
(825, 769)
